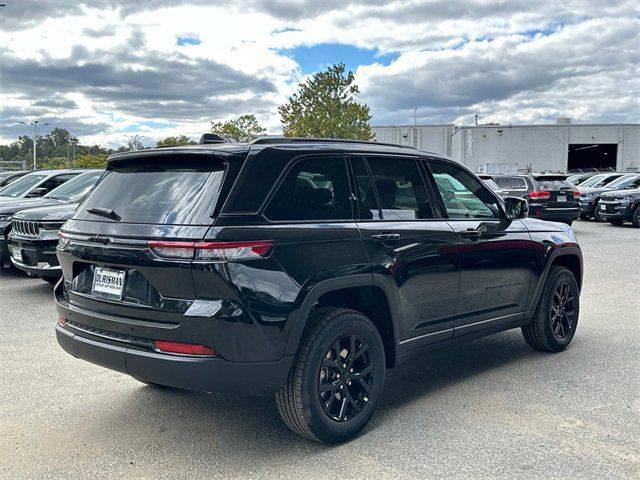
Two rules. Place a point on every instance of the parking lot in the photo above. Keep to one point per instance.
(492, 408)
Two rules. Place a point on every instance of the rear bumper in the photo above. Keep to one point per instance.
(204, 374)
(554, 214)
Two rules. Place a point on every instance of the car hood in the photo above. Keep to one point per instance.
(537, 225)
(14, 205)
(54, 213)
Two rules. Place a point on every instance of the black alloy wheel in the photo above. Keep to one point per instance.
(562, 310)
(346, 378)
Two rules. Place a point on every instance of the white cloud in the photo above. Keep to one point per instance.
(105, 68)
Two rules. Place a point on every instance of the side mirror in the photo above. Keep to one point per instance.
(38, 192)
(516, 207)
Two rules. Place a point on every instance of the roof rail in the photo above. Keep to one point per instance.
(268, 140)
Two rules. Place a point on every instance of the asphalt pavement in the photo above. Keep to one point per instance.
(492, 408)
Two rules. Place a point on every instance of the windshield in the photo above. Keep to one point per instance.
(23, 185)
(622, 181)
(592, 181)
(157, 191)
(75, 189)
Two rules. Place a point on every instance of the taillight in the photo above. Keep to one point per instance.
(540, 195)
(63, 240)
(576, 194)
(183, 348)
(227, 251)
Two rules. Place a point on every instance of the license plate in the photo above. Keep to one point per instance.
(108, 283)
(603, 207)
(16, 253)
(561, 199)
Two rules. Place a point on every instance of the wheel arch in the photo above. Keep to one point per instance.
(364, 293)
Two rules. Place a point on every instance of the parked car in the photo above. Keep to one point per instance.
(491, 183)
(579, 178)
(10, 176)
(590, 196)
(601, 180)
(621, 206)
(303, 268)
(36, 184)
(550, 196)
(34, 232)
(67, 192)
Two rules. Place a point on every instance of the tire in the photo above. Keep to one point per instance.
(596, 213)
(584, 217)
(616, 222)
(332, 417)
(568, 222)
(542, 333)
(635, 217)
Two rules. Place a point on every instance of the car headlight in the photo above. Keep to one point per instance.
(5, 221)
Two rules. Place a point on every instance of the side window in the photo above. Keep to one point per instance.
(55, 182)
(368, 208)
(314, 189)
(400, 188)
(463, 195)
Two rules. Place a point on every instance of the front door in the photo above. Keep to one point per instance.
(408, 246)
(496, 255)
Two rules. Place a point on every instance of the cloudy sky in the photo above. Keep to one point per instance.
(108, 69)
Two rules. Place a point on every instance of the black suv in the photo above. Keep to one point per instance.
(621, 206)
(550, 197)
(305, 268)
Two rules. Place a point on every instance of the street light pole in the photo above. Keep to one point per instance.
(34, 133)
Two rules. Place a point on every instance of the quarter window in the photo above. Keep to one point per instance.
(511, 183)
(314, 189)
(464, 196)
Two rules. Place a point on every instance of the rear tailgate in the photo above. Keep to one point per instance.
(561, 192)
(107, 263)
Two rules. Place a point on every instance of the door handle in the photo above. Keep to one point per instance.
(386, 237)
(471, 234)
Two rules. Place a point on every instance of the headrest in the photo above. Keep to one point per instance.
(315, 196)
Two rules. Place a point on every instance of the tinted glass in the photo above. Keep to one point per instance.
(554, 184)
(76, 188)
(400, 189)
(463, 195)
(367, 202)
(314, 189)
(623, 181)
(511, 183)
(159, 191)
(23, 185)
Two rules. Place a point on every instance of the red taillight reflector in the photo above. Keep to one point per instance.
(62, 321)
(212, 250)
(183, 348)
(540, 195)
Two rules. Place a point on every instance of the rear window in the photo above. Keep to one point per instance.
(159, 191)
(553, 183)
(511, 183)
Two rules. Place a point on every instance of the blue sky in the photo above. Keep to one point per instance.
(314, 58)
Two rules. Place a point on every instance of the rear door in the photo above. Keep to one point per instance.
(409, 245)
(496, 256)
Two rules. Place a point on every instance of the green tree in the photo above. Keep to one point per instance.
(179, 140)
(92, 161)
(241, 129)
(325, 107)
(52, 163)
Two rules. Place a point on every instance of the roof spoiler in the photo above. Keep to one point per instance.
(208, 138)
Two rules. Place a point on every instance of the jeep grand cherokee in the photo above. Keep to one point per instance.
(304, 268)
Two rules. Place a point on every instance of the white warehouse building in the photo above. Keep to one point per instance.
(558, 147)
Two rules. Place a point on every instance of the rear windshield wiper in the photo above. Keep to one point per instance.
(104, 212)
